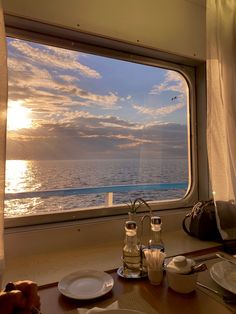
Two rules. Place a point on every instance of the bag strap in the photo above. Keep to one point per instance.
(184, 224)
(197, 209)
(194, 212)
(210, 202)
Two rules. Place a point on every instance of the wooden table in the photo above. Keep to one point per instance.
(161, 298)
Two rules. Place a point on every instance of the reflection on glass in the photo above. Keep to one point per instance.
(83, 120)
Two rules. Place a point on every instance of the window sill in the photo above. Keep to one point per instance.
(49, 267)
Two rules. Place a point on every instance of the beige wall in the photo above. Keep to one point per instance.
(176, 26)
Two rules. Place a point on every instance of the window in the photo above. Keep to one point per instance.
(89, 131)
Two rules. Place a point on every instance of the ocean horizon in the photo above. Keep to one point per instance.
(41, 175)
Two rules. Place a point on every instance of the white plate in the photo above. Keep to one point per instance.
(86, 284)
(121, 311)
(224, 274)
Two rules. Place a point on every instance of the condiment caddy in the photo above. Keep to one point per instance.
(140, 260)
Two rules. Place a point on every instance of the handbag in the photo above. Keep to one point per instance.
(202, 222)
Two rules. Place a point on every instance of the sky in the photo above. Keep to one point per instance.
(66, 104)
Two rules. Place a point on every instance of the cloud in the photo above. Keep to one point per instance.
(88, 122)
(173, 81)
(68, 119)
(126, 98)
(121, 124)
(41, 88)
(56, 57)
(132, 141)
(68, 78)
(163, 111)
(83, 135)
(15, 65)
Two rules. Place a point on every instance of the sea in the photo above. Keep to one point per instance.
(41, 175)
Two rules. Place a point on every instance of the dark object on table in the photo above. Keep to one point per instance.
(202, 222)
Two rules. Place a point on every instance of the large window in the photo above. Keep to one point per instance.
(87, 131)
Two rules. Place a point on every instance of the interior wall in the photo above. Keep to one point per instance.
(175, 26)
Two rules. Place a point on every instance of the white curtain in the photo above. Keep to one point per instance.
(3, 106)
(221, 115)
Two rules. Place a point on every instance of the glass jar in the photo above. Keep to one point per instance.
(131, 251)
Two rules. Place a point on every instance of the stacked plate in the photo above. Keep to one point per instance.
(224, 274)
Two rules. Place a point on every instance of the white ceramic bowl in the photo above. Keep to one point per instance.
(182, 283)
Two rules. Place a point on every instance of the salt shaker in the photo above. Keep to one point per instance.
(155, 241)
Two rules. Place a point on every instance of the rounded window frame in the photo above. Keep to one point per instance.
(123, 51)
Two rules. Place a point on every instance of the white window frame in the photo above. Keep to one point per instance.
(192, 70)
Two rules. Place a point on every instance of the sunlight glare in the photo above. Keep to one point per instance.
(18, 116)
(16, 171)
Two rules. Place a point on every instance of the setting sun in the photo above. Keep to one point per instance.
(18, 116)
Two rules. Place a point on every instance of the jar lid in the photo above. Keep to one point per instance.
(156, 223)
(180, 264)
(155, 220)
(130, 225)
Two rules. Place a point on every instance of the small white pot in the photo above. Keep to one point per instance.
(183, 283)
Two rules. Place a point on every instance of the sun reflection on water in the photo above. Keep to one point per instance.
(20, 178)
(16, 171)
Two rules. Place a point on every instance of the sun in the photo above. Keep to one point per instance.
(18, 116)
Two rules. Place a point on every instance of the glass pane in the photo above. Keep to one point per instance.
(82, 121)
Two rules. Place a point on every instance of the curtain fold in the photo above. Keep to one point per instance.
(3, 106)
(221, 112)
